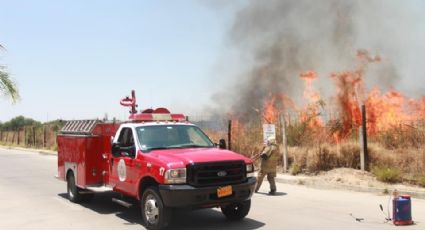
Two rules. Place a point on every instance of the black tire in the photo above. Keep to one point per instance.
(72, 189)
(236, 211)
(154, 213)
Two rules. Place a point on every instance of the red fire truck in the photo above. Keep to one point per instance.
(157, 160)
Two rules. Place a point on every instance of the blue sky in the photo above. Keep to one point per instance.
(76, 59)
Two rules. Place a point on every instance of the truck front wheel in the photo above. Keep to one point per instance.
(236, 211)
(155, 214)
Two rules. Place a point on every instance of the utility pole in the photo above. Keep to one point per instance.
(229, 135)
(284, 146)
(364, 158)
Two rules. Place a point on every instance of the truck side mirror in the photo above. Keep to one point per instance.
(222, 144)
(116, 149)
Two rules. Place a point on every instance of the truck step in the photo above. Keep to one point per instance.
(122, 202)
(99, 188)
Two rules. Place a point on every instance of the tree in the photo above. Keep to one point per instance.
(19, 122)
(7, 85)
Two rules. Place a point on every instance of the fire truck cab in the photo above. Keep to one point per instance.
(157, 160)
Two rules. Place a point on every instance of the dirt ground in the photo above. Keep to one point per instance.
(358, 178)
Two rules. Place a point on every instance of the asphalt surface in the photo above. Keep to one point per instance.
(31, 198)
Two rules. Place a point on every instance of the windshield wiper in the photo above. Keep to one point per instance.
(156, 148)
(178, 147)
(192, 146)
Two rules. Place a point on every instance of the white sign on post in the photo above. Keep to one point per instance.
(269, 130)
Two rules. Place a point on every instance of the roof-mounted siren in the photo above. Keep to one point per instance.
(130, 102)
(158, 114)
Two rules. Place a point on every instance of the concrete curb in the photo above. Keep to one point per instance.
(310, 182)
(40, 151)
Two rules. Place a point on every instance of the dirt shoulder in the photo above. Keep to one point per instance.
(351, 179)
(41, 151)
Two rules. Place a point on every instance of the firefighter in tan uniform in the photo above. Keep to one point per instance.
(269, 158)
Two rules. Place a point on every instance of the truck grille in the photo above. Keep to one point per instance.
(216, 173)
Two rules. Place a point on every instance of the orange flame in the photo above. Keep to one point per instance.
(385, 110)
(310, 94)
(275, 105)
(270, 111)
(309, 114)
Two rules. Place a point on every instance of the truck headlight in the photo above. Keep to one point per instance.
(249, 170)
(175, 176)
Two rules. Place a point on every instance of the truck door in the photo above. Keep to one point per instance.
(122, 164)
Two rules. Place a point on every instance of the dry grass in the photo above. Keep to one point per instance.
(402, 136)
(325, 157)
(313, 149)
(409, 162)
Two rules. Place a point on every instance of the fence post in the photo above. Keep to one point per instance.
(284, 148)
(229, 135)
(18, 139)
(364, 158)
(33, 136)
(25, 137)
(44, 136)
(27, 141)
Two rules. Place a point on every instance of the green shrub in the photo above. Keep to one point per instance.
(387, 174)
(421, 180)
(295, 169)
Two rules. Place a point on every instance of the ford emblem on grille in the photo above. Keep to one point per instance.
(222, 173)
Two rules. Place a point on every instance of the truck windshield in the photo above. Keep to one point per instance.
(172, 136)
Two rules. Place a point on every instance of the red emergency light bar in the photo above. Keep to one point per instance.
(140, 117)
(159, 114)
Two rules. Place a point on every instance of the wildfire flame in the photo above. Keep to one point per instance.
(385, 110)
(311, 95)
(270, 111)
(310, 113)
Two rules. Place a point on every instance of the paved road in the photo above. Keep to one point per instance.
(30, 198)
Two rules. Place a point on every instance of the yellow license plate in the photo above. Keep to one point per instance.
(224, 191)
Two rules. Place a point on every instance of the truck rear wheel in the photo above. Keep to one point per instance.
(236, 211)
(154, 213)
(72, 189)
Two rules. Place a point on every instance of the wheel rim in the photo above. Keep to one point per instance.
(151, 210)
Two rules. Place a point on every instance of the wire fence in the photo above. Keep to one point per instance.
(43, 136)
(312, 130)
(247, 137)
